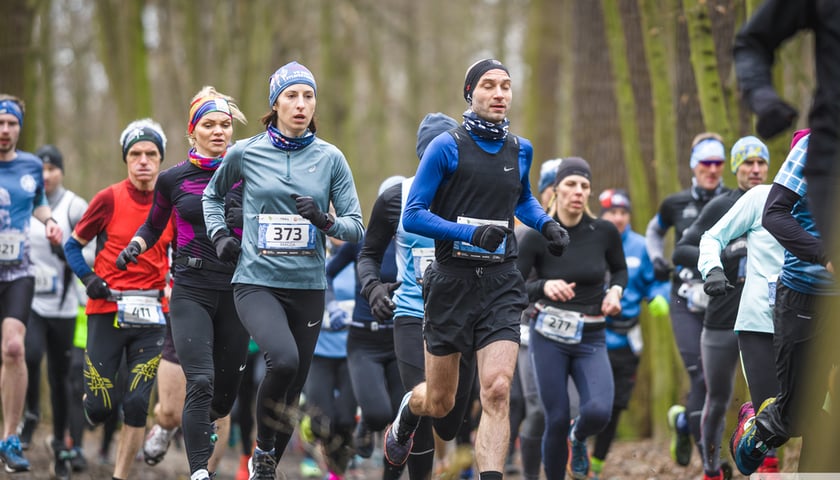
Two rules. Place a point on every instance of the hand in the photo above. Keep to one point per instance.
(559, 290)
(774, 115)
(661, 269)
(379, 297)
(489, 237)
(611, 305)
(53, 231)
(339, 319)
(557, 236)
(233, 217)
(308, 209)
(95, 287)
(659, 306)
(227, 246)
(129, 254)
(716, 283)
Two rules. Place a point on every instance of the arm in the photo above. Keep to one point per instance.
(439, 161)
(655, 237)
(382, 227)
(348, 223)
(213, 198)
(531, 247)
(733, 224)
(159, 215)
(687, 250)
(345, 255)
(789, 233)
(528, 209)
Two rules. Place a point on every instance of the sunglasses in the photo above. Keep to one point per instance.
(711, 163)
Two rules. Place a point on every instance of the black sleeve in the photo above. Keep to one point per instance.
(345, 255)
(777, 220)
(687, 250)
(382, 226)
(756, 43)
(532, 245)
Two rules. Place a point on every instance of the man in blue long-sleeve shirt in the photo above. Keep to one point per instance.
(470, 183)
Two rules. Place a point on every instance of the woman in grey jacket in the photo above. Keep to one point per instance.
(290, 179)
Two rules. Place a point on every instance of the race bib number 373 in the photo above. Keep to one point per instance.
(285, 235)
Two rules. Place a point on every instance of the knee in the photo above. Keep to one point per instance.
(13, 349)
(281, 365)
(135, 408)
(96, 411)
(496, 395)
(557, 422)
(438, 404)
(200, 386)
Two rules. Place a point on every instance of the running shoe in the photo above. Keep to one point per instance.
(363, 440)
(262, 465)
(578, 466)
(398, 443)
(747, 448)
(78, 462)
(596, 466)
(12, 455)
(680, 437)
(157, 443)
(61, 460)
(310, 469)
(27, 429)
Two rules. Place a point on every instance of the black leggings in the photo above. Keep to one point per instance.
(687, 327)
(212, 346)
(53, 336)
(106, 345)
(285, 323)
(331, 406)
(756, 354)
(243, 407)
(408, 343)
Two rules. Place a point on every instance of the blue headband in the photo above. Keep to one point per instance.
(12, 108)
(286, 76)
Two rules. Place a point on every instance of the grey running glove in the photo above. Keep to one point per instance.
(129, 254)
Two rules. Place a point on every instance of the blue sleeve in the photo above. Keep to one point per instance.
(437, 165)
(75, 258)
(345, 255)
(528, 209)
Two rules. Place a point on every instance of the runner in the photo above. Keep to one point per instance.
(209, 339)
(127, 310)
(290, 179)
(21, 197)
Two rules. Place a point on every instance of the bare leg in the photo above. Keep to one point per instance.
(13, 380)
(172, 390)
(131, 438)
(436, 396)
(496, 362)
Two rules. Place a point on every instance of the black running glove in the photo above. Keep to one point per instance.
(716, 283)
(227, 246)
(129, 254)
(557, 236)
(233, 217)
(489, 237)
(308, 209)
(661, 269)
(774, 114)
(95, 287)
(378, 295)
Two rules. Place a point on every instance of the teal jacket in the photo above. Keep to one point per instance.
(270, 176)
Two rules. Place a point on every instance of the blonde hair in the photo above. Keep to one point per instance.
(209, 92)
(706, 136)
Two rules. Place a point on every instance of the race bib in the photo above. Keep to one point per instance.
(562, 326)
(285, 235)
(422, 257)
(771, 290)
(467, 250)
(11, 247)
(46, 279)
(139, 311)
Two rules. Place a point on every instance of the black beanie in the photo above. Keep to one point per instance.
(475, 72)
(573, 166)
(50, 154)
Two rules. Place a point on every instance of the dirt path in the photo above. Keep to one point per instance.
(628, 460)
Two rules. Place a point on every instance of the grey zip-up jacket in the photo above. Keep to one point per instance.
(270, 176)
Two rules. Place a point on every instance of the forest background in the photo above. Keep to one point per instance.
(625, 84)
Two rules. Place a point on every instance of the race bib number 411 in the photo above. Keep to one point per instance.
(285, 235)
